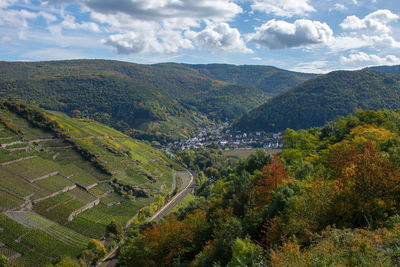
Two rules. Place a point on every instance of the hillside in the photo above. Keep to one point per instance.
(324, 98)
(155, 102)
(386, 69)
(63, 180)
(331, 198)
(270, 80)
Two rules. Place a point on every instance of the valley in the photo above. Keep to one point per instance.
(74, 189)
(199, 133)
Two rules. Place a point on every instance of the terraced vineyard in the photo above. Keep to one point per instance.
(60, 188)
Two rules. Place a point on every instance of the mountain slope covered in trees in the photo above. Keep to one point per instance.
(386, 69)
(331, 198)
(156, 102)
(160, 100)
(324, 98)
(269, 79)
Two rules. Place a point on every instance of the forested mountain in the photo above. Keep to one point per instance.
(161, 100)
(323, 98)
(269, 79)
(156, 102)
(386, 69)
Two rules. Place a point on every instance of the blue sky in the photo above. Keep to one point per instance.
(301, 35)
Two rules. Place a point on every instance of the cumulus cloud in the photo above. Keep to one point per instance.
(278, 34)
(220, 37)
(374, 22)
(137, 26)
(163, 42)
(126, 43)
(362, 57)
(283, 8)
(345, 42)
(166, 9)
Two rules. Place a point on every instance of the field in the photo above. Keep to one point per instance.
(44, 179)
(244, 152)
(36, 246)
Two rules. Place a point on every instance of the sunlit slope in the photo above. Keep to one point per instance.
(63, 180)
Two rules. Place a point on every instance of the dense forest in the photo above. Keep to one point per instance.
(269, 79)
(324, 98)
(155, 102)
(386, 69)
(330, 198)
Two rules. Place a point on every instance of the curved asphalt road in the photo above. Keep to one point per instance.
(176, 199)
(110, 261)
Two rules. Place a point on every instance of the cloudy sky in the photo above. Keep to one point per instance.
(301, 35)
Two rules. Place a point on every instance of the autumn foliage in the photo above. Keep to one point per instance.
(270, 177)
(331, 198)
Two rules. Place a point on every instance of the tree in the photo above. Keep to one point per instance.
(246, 253)
(269, 179)
(65, 262)
(94, 251)
(4, 261)
(114, 229)
(368, 189)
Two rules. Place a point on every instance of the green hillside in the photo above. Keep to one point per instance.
(321, 99)
(63, 180)
(270, 80)
(330, 198)
(155, 102)
(386, 69)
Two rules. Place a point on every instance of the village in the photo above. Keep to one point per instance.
(220, 136)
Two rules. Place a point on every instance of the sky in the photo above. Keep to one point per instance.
(300, 35)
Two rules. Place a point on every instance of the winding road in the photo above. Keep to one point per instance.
(110, 261)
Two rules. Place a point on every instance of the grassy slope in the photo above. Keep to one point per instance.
(129, 161)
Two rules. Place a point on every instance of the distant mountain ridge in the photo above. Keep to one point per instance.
(160, 102)
(386, 69)
(270, 80)
(323, 98)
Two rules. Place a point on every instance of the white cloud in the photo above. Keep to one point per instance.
(7, 3)
(281, 34)
(156, 10)
(16, 18)
(160, 42)
(362, 57)
(51, 54)
(219, 37)
(127, 43)
(283, 8)
(317, 66)
(48, 17)
(137, 26)
(70, 23)
(339, 7)
(349, 42)
(374, 22)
